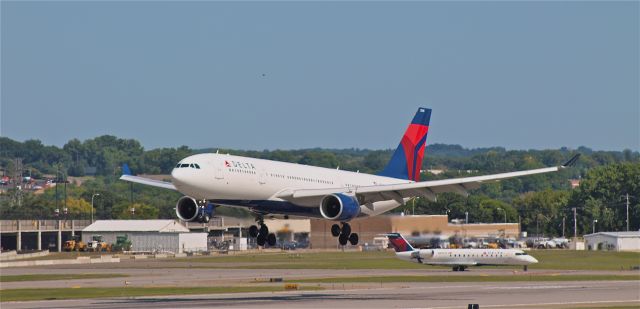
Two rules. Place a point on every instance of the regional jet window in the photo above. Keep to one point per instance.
(184, 165)
(197, 166)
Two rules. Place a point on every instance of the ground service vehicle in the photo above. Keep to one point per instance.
(74, 244)
(98, 245)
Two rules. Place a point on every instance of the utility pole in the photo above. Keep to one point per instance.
(627, 212)
(563, 226)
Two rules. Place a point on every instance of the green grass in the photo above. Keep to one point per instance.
(43, 277)
(473, 278)
(549, 259)
(74, 293)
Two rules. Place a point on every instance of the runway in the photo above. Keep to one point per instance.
(407, 295)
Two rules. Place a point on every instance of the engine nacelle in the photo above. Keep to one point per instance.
(188, 209)
(339, 207)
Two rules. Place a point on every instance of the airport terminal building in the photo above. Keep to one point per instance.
(148, 235)
(370, 228)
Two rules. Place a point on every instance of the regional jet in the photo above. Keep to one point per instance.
(280, 189)
(459, 259)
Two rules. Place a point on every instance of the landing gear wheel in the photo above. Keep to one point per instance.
(455, 268)
(271, 239)
(346, 229)
(206, 218)
(261, 240)
(343, 240)
(525, 268)
(353, 239)
(253, 231)
(264, 230)
(335, 230)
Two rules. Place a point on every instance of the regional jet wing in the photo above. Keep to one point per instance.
(126, 176)
(426, 189)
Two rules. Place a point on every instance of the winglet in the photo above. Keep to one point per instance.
(571, 161)
(125, 169)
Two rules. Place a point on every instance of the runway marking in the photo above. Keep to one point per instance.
(544, 304)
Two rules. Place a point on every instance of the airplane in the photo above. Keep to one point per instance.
(459, 259)
(283, 190)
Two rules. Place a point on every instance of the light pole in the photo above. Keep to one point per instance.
(505, 221)
(94, 195)
(594, 225)
(575, 224)
(466, 217)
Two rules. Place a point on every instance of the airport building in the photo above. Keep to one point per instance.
(613, 241)
(148, 235)
(369, 229)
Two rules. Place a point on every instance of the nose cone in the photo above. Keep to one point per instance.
(178, 177)
(532, 260)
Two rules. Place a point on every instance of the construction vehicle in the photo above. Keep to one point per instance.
(97, 245)
(74, 244)
(122, 244)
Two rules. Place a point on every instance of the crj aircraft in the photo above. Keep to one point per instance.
(280, 189)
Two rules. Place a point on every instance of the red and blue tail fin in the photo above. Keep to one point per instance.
(407, 159)
(399, 243)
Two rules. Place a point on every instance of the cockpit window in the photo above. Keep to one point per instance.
(521, 253)
(196, 165)
(178, 165)
(184, 165)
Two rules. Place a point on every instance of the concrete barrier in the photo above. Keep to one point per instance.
(13, 255)
(79, 260)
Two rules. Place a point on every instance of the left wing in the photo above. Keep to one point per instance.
(126, 176)
(426, 189)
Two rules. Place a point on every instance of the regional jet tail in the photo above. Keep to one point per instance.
(272, 188)
(458, 259)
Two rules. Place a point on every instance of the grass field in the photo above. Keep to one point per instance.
(548, 259)
(44, 277)
(474, 278)
(73, 293)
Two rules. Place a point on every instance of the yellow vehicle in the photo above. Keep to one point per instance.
(74, 244)
(493, 245)
(98, 245)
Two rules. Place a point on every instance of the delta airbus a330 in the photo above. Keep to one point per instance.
(280, 189)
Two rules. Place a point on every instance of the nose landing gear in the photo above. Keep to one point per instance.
(344, 234)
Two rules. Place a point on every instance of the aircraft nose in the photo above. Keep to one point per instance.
(177, 176)
(533, 260)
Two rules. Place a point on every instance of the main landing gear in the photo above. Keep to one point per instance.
(459, 268)
(262, 234)
(344, 234)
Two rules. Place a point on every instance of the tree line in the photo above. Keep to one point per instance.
(540, 202)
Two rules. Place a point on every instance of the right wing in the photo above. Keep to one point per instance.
(426, 189)
(126, 176)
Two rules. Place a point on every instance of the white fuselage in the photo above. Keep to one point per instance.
(468, 257)
(248, 182)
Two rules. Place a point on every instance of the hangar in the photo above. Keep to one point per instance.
(148, 235)
(614, 241)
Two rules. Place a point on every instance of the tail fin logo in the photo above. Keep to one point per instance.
(399, 243)
(406, 161)
(413, 143)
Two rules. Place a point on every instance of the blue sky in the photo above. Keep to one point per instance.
(296, 75)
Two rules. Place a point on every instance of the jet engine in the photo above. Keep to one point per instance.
(339, 207)
(188, 209)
